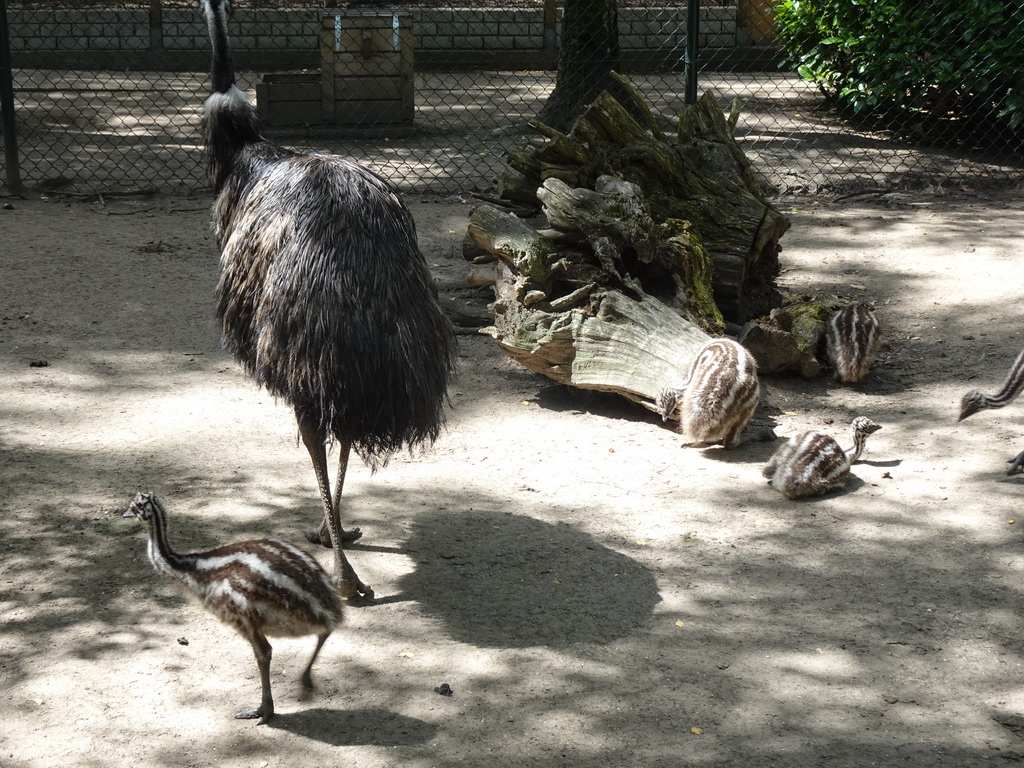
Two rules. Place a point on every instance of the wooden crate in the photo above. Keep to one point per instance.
(366, 67)
(290, 98)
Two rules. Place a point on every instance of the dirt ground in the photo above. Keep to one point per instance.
(594, 593)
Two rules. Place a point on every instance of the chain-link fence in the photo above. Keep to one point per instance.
(109, 95)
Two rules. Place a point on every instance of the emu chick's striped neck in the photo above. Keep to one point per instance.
(860, 428)
(976, 400)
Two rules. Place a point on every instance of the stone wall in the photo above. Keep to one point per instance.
(434, 29)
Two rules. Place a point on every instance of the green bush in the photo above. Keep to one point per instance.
(943, 58)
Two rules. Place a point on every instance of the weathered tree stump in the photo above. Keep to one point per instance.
(788, 340)
(648, 247)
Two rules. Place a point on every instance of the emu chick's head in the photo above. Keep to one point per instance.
(143, 507)
(862, 425)
(971, 403)
(667, 402)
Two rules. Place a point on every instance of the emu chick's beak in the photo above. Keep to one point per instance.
(128, 513)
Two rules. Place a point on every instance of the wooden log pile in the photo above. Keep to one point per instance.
(648, 245)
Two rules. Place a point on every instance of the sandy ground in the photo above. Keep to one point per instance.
(594, 593)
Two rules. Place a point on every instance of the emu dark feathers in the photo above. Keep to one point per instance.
(324, 296)
(319, 303)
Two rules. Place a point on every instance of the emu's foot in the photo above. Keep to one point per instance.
(322, 537)
(263, 712)
(1016, 464)
(356, 592)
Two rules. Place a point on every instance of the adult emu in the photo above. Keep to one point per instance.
(324, 296)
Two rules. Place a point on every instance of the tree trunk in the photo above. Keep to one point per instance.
(588, 54)
(648, 247)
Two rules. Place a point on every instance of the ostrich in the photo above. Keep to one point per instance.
(813, 463)
(851, 339)
(324, 296)
(976, 400)
(719, 397)
(261, 587)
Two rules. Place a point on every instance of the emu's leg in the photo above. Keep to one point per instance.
(265, 711)
(322, 535)
(348, 581)
(307, 675)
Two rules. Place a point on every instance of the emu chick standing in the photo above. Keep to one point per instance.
(324, 296)
(719, 396)
(264, 587)
(813, 463)
(976, 400)
(851, 341)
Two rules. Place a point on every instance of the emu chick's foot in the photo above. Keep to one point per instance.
(323, 537)
(263, 712)
(1016, 464)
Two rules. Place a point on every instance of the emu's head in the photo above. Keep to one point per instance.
(144, 506)
(971, 403)
(207, 7)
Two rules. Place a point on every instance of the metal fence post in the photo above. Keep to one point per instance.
(7, 104)
(550, 25)
(156, 25)
(690, 57)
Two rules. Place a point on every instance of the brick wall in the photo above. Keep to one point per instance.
(434, 29)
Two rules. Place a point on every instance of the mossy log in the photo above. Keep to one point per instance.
(788, 340)
(648, 246)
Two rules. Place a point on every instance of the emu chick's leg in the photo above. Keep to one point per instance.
(738, 437)
(1016, 464)
(307, 674)
(265, 711)
(348, 581)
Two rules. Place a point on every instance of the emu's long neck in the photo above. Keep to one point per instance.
(1011, 387)
(222, 71)
(230, 123)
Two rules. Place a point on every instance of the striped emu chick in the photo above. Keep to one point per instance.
(851, 340)
(813, 463)
(976, 400)
(263, 587)
(719, 396)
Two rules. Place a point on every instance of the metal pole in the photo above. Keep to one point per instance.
(690, 57)
(550, 24)
(156, 25)
(7, 105)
